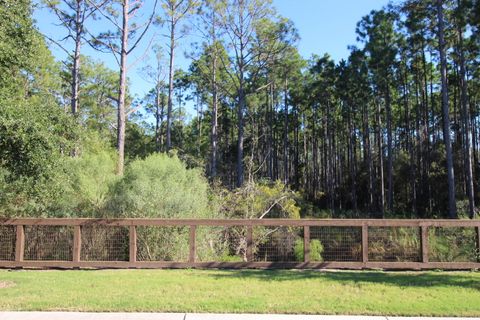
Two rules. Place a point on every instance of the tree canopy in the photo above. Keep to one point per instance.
(392, 130)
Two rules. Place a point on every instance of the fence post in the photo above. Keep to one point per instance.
(20, 244)
(365, 244)
(249, 244)
(424, 232)
(77, 243)
(193, 229)
(133, 244)
(306, 243)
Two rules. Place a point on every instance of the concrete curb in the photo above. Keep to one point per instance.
(191, 316)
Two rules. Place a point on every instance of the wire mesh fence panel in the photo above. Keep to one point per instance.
(222, 244)
(452, 244)
(48, 243)
(335, 243)
(278, 244)
(394, 244)
(162, 243)
(7, 243)
(105, 243)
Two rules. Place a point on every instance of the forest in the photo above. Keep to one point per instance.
(391, 131)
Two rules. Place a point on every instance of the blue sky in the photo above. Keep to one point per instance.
(325, 26)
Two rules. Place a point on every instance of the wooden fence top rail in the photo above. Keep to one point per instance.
(241, 222)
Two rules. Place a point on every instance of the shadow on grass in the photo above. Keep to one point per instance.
(397, 279)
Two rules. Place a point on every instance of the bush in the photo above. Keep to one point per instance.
(160, 186)
(34, 139)
(89, 180)
(316, 250)
(260, 200)
(35, 143)
(23, 196)
(452, 244)
(265, 199)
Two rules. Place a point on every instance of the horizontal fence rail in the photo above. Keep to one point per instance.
(265, 243)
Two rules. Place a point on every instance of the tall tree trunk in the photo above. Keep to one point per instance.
(121, 116)
(429, 116)
(452, 210)
(269, 121)
(285, 133)
(329, 160)
(241, 108)
(380, 161)
(306, 172)
(214, 132)
(466, 127)
(314, 154)
(409, 142)
(389, 148)
(199, 107)
(296, 161)
(76, 58)
(368, 157)
(171, 73)
(157, 118)
(352, 160)
(473, 120)
(273, 120)
(162, 123)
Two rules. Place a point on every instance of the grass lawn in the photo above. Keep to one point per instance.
(252, 291)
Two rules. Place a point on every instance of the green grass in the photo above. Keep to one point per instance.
(252, 291)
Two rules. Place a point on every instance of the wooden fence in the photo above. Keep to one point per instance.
(266, 243)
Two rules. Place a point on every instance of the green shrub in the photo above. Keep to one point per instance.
(229, 258)
(23, 196)
(36, 140)
(89, 180)
(160, 186)
(256, 200)
(394, 243)
(452, 244)
(163, 243)
(316, 250)
(260, 200)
